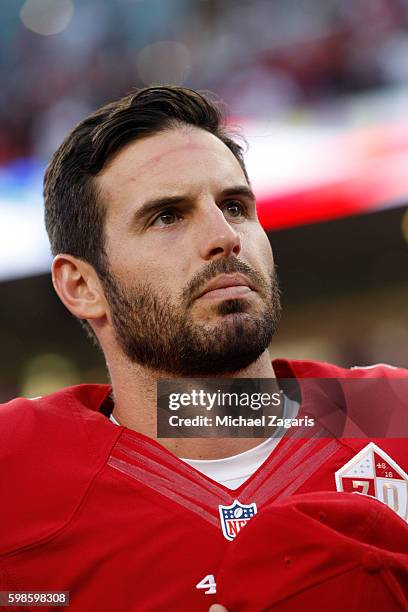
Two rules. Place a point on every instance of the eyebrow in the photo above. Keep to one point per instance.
(156, 205)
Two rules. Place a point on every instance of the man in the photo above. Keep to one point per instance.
(158, 251)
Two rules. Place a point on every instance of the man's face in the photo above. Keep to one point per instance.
(190, 284)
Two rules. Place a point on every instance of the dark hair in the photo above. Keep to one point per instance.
(74, 212)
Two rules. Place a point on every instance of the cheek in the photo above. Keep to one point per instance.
(257, 247)
(164, 276)
(137, 264)
(267, 248)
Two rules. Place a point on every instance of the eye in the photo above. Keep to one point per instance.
(167, 217)
(235, 209)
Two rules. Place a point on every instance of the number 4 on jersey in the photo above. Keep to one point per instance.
(208, 582)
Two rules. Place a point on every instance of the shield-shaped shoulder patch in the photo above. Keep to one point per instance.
(373, 472)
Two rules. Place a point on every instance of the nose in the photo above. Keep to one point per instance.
(218, 238)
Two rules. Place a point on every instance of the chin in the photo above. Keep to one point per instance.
(234, 307)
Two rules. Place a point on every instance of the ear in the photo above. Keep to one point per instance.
(78, 287)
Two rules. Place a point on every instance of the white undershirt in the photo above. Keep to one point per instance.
(233, 471)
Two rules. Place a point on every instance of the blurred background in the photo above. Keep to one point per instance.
(320, 90)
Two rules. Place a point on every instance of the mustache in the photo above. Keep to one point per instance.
(222, 266)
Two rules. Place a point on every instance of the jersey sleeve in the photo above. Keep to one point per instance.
(49, 454)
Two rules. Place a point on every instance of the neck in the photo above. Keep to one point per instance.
(134, 389)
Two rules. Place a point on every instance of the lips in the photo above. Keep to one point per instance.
(228, 286)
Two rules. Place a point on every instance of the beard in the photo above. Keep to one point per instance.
(155, 332)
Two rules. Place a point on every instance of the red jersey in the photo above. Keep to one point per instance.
(117, 520)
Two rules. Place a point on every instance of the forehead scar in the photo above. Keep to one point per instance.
(182, 147)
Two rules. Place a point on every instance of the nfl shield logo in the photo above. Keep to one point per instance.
(234, 517)
(373, 472)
